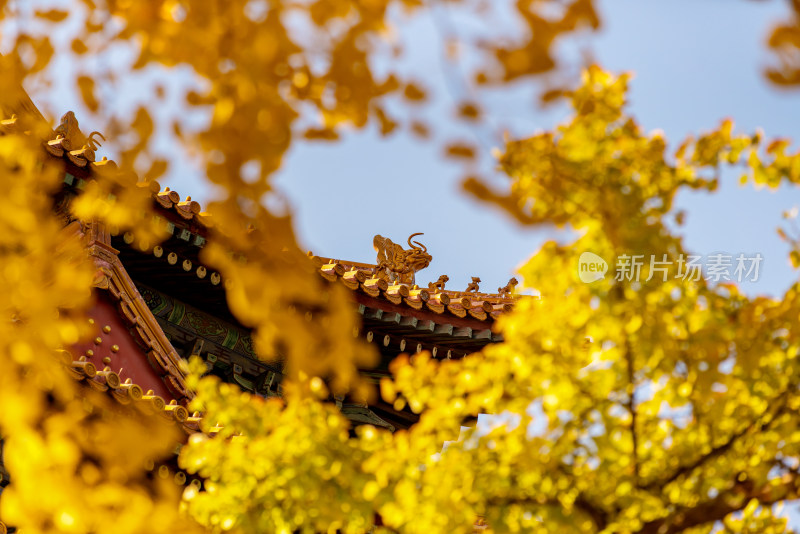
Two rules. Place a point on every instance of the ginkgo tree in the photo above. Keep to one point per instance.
(651, 406)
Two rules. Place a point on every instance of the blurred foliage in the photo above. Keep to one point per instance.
(625, 406)
(784, 41)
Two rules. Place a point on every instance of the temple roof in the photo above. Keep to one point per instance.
(70, 144)
(397, 314)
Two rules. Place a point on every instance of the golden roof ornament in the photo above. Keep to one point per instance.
(70, 138)
(473, 286)
(509, 288)
(399, 265)
(438, 285)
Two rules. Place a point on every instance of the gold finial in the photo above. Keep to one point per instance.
(509, 288)
(438, 285)
(473, 286)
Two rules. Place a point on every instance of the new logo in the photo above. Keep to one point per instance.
(591, 268)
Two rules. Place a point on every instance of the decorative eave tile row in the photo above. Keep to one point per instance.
(187, 209)
(400, 343)
(127, 392)
(497, 302)
(112, 277)
(80, 157)
(196, 238)
(172, 258)
(61, 147)
(362, 277)
(84, 157)
(132, 395)
(409, 334)
(146, 402)
(398, 294)
(358, 278)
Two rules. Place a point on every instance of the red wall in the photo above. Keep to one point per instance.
(130, 357)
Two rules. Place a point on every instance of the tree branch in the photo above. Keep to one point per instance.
(632, 408)
(716, 509)
(599, 517)
(756, 425)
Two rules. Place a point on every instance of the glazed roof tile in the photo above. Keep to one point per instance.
(365, 278)
(128, 393)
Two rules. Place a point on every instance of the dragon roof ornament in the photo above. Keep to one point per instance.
(69, 138)
(397, 264)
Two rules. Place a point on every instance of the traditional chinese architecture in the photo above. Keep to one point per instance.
(156, 306)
